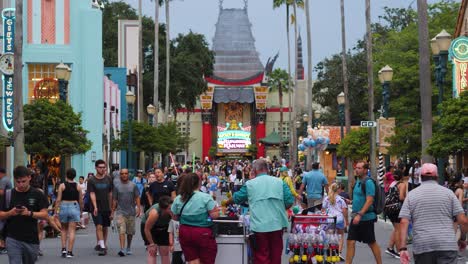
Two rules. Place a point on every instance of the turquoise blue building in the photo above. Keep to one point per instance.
(69, 32)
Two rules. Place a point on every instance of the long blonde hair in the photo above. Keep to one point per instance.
(332, 192)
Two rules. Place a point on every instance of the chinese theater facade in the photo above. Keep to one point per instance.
(233, 109)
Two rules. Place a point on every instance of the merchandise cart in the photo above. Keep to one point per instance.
(313, 237)
(232, 239)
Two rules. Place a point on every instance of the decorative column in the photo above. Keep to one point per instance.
(260, 117)
(207, 119)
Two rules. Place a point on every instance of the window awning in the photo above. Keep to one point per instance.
(233, 94)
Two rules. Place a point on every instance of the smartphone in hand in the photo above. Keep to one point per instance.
(19, 208)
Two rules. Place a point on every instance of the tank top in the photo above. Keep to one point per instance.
(71, 192)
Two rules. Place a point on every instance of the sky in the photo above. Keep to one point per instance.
(268, 24)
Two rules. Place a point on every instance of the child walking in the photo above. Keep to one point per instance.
(174, 245)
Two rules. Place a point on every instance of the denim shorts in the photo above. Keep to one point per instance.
(69, 212)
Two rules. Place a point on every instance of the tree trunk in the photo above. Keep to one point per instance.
(156, 63)
(309, 75)
(291, 148)
(296, 58)
(168, 48)
(141, 109)
(370, 80)
(346, 91)
(187, 122)
(424, 80)
(18, 121)
(280, 95)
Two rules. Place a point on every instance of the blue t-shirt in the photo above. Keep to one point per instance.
(359, 199)
(314, 181)
(213, 183)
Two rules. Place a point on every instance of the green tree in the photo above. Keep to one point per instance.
(279, 80)
(451, 130)
(53, 129)
(164, 138)
(355, 145)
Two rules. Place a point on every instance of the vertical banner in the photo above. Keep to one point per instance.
(6, 66)
(458, 52)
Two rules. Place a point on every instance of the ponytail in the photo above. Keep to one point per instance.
(332, 192)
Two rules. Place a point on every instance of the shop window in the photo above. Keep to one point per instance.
(42, 82)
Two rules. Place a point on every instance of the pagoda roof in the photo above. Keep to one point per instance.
(236, 57)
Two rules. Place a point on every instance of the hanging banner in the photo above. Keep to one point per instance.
(6, 61)
(459, 56)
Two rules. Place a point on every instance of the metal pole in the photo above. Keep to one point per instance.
(386, 99)
(306, 160)
(440, 83)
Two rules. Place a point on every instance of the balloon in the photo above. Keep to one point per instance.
(309, 143)
(301, 147)
(320, 140)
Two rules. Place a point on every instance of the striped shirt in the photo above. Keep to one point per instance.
(431, 208)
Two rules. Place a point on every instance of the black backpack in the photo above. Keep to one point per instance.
(392, 201)
(379, 198)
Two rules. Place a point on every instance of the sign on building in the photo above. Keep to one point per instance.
(368, 124)
(459, 56)
(7, 64)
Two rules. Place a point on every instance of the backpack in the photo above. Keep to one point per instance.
(379, 198)
(392, 202)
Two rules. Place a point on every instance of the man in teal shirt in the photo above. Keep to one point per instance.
(363, 217)
(314, 182)
(268, 198)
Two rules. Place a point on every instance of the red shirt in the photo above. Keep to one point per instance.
(388, 180)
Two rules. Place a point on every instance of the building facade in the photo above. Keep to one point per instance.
(68, 32)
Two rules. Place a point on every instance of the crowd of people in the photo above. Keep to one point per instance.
(177, 206)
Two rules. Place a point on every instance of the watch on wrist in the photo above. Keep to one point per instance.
(360, 214)
(31, 213)
(403, 249)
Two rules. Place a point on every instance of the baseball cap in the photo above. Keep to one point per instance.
(429, 169)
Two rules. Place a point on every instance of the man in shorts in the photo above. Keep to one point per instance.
(100, 191)
(363, 217)
(126, 197)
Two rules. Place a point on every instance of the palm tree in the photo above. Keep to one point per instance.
(370, 89)
(309, 74)
(346, 89)
(279, 80)
(18, 134)
(156, 60)
(425, 80)
(168, 47)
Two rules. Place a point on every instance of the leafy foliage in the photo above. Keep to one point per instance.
(451, 134)
(355, 145)
(395, 43)
(53, 129)
(164, 138)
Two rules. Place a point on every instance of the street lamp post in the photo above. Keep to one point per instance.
(151, 112)
(341, 108)
(130, 98)
(316, 124)
(440, 45)
(305, 118)
(151, 109)
(385, 77)
(63, 74)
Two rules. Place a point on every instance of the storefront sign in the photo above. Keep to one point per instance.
(459, 55)
(233, 138)
(8, 16)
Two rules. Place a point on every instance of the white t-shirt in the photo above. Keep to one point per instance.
(83, 187)
(417, 175)
(174, 229)
(232, 177)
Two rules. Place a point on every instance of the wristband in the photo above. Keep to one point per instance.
(31, 213)
(403, 249)
(359, 213)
